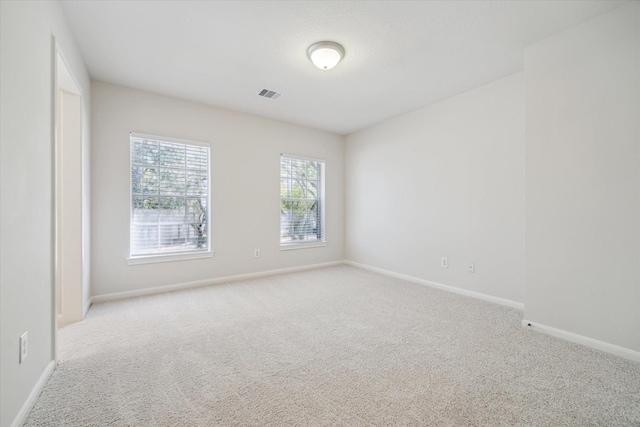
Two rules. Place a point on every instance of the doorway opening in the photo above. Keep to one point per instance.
(68, 196)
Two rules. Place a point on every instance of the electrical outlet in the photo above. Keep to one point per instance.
(444, 262)
(471, 268)
(24, 346)
(256, 253)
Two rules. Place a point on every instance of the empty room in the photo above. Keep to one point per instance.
(350, 213)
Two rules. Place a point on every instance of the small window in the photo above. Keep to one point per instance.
(301, 201)
(169, 196)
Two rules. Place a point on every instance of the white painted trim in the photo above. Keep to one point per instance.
(87, 306)
(33, 396)
(295, 156)
(586, 341)
(199, 283)
(294, 246)
(55, 182)
(453, 289)
(150, 259)
(150, 136)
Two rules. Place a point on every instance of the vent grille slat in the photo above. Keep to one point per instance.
(269, 94)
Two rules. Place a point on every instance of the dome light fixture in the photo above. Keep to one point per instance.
(325, 55)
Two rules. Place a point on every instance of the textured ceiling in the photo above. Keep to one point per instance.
(399, 55)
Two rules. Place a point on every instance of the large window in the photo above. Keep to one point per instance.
(301, 201)
(169, 196)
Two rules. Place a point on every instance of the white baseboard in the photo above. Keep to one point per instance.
(559, 333)
(33, 396)
(586, 341)
(86, 308)
(478, 295)
(206, 282)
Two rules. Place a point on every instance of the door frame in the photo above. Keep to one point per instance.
(72, 86)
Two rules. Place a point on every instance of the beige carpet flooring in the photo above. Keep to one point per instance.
(335, 346)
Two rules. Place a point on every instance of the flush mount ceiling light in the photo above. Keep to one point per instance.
(325, 55)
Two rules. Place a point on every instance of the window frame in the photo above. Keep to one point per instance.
(321, 198)
(177, 255)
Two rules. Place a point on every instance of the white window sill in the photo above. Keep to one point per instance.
(150, 259)
(293, 246)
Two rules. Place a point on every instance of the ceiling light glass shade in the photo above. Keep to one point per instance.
(325, 55)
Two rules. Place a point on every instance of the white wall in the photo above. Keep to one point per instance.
(69, 253)
(583, 179)
(26, 196)
(245, 153)
(444, 181)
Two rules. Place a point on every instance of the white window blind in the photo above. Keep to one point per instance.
(301, 201)
(169, 196)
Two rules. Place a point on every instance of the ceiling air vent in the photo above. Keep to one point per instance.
(270, 94)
